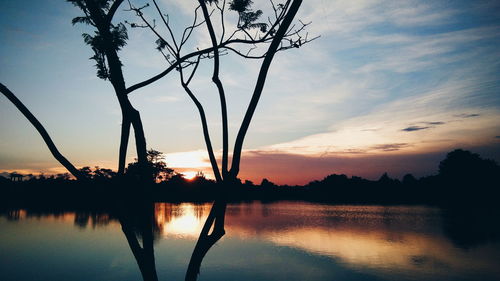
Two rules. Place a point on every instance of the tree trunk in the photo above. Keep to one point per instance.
(125, 133)
(259, 85)
(129, 113)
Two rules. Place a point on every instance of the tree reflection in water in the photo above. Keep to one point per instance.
(139, 223)
(214, 222)
(136, 222)
(383, 240)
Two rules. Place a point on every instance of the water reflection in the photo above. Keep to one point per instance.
(212, 231)
(182, 220)
(139, 223)
(396, 242)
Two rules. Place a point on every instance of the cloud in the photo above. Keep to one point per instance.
(369, 133)
(351, 17)
(414, 128)
(418, 128)
(413, 53)
(390, 146)
(464, 115)
(197, 159)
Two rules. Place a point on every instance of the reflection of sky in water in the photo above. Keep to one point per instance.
(385, 240)
(300, 240)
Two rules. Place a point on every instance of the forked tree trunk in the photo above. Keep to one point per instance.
(130, 116)
(215, 221)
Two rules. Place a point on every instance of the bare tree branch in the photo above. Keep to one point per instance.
(220, 88)
(41, 130)
(201, 111)
(112, 10)
(168, 26)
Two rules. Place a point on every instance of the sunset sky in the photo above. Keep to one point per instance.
(390, 86)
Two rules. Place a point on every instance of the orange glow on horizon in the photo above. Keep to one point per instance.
(189, 175)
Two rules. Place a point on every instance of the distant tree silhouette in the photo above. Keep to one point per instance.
(87, 171)
(156, 167)
(385, 179)
(468, 177)
(267, 184)
(63, 177)
(464, 165)
(409, 179)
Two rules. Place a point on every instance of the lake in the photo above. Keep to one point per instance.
(273, 241)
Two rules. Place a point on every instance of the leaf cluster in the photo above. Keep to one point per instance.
(103, 5)
(99, 42)
(247, 17)
(99, 45)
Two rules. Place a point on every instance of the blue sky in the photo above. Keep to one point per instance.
(390, 86)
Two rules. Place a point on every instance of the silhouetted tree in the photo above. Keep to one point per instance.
(87, 171)
(276, 34)
(106, 41)
(156, 167)
(409, 179)
(63, 177)
(462, 165)
(267, 184)
(249, 183)
(465, 176)
(103, 173)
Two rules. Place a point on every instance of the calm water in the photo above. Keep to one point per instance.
(278, 241)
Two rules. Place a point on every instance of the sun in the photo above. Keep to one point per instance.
(189, 175)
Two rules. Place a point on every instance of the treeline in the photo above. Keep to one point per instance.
(463, 177)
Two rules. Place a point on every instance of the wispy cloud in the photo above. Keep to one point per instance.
(390, 146)
(414, 128)
(370, 132)
(465, 115)
(418, 128)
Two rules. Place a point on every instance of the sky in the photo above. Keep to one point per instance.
(390, 86)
